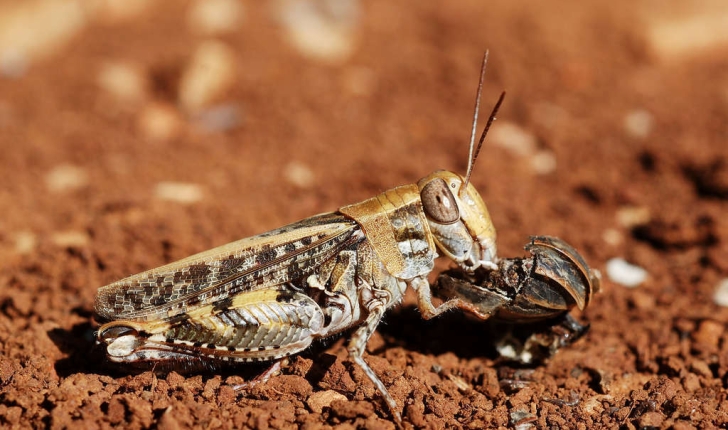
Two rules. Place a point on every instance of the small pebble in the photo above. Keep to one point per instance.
(219, 118)
(709, 333)
(612, 237)
(69, 239)
(593, 405)
(321, 30)
(638, 123)
(168, 421)
(299, 174)
(691, 382)
(159, 122)
(212, 17)
(12, 416)
(643, 301)
(543, 162)
(317, 401)
(66, 177)
(179, 192)
(123, 81)
(698, 27)
(25, 242)
(209, 75)
(32, 30)
(459, 382)
(506, 350)
(633, 216)
(720, 297)
(513, 138)
(621, 272)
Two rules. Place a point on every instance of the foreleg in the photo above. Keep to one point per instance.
(428, 309)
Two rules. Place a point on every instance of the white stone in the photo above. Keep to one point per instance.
(215, 16)
(513, 138)
(123, 81)
(638, 123)
(612, 236)
(299, 174)
(34, 29)
(209, 75)
(321, 30)
(721, 293)
(507, 350)
(66, 177)
(621, 272)
(179, 192)
(684, 31)
(70, 238)
(633, 216)
(543, 162)
(25, 242)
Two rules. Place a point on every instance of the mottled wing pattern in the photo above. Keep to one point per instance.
(262, 261)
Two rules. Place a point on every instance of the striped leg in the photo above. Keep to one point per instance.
(356, 347)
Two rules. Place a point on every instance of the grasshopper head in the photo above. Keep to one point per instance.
(459, 220)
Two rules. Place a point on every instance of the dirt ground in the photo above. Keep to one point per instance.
(136, 133)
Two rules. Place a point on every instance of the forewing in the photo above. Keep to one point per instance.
(262, 261)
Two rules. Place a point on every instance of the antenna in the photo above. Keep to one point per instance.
(474, 151)
(491, 118)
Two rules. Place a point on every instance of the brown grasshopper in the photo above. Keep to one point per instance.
(271, 295)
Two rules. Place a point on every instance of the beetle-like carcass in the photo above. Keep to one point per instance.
(538, 291)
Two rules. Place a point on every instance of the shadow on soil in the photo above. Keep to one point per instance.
(468, 337)
(453, 332)
(78, 343)
(85, 356)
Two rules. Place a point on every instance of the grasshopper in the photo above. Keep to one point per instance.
(270, 296)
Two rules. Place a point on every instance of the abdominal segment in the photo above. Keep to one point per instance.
(254, 326)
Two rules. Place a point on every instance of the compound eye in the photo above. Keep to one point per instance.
(439, 203)
(116, 332)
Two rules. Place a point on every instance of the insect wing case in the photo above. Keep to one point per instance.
(264, 261)
(550, 283)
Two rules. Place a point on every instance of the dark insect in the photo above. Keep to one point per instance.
(537, 292)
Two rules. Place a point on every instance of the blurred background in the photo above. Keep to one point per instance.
(137, 132)
(287, 108)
